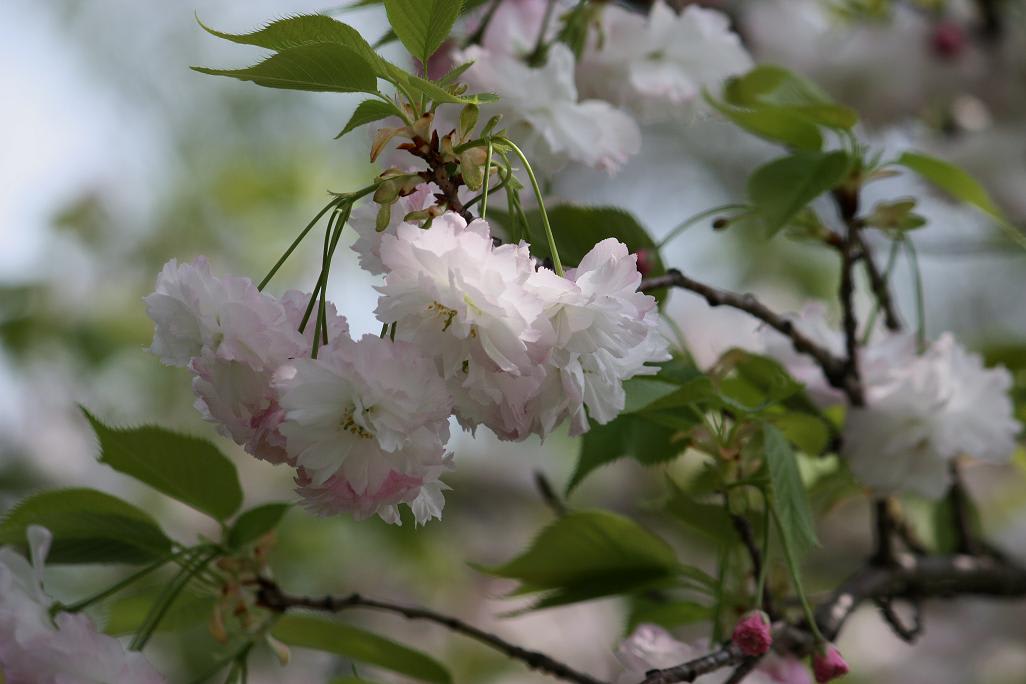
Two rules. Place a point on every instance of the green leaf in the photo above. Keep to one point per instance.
(422, 25)
(776, 124)
(369, 111)
(357, 644)
(788, 496)
(588, 554)
(667, 614)
(775, 87)
(809, 433)
(951, 180)
(783, 187)
(315, 29)
(88, 527)
(255, 523)
(709, 520)
(189, 469)
(320, 67)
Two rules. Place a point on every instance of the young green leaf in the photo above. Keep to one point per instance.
(189, 469)
(367, 112)
(357, 644)
(788, 496)
(422, 25)
(776, 124)
(768, 86)
(588, 554)
(255, 523)
(783, 187)
(126, 615)
(320, 67)
(88, 527)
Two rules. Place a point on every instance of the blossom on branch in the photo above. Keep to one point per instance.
(920, 416)
(540, 105)
(658, 65)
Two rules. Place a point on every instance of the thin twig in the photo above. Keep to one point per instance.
(726, 656)
(438, 173)
(961, 517)
(744, 531)
(906, 633)
(271, 596)
(742, 670)
(834, 368)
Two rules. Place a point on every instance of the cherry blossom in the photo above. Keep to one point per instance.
(656, 65)
(364, 221)
(66, 650)
(540, 105)
(921, 415)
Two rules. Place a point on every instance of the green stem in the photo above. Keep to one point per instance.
(721, 577)
(534, 59)
(199, 557)
(695, 219)
(556, 263)
(920, 298)
(295, 243)
(110, 591)
(487, 180)
(892, 260)
(760, 587)
(792, 566)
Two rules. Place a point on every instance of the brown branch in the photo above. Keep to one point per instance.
(961, 517)
(271, 597)
(438, 173)
(835, 369)
(912, 578)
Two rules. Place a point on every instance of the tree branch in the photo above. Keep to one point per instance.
(834, 368)
(271, 597)
(438, 174)
(910, 578)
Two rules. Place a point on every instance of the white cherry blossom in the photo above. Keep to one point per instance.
(196, 311)
(67, 650)
(923, 414)
(358, 407)
(658, 65)
(364, 221)
(541, 108)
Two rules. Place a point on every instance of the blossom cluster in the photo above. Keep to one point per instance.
(479, 331)
(633, 69)
(921, 410)
(36, 648)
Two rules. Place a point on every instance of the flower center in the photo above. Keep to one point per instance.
(351, 426)
(443, 312)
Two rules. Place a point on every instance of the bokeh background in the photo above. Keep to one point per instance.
(115, 157)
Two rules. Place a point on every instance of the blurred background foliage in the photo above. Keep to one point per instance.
(117, 158)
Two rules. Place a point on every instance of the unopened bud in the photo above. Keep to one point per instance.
(721, 223)
(827, 664)
(752, 634)
(947, 39)
(383, 218)
(645, 262)
(280, 650)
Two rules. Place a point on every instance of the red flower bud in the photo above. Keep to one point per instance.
(947, 39)
(644, 262)
(752, 634)
(828, 664)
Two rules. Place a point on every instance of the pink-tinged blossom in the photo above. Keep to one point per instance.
(463, 301)
(541, 108)
(650, 647)
(241, 401)
(921, 415)
(658, 65)
(752, 634)
(66, 650)
(228, 317)
(360, 407)
(606, 331)
(364, 221)
(411, 478)
(514, 26)
(828, 664)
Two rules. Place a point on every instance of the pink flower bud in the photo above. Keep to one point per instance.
(947, 39)
(828, 664)
(752, 634)
(645, 262)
